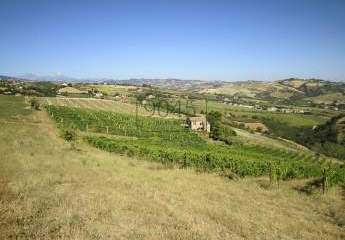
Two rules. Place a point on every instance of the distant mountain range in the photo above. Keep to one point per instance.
(132, 81)
(54, 77)
(139, 81)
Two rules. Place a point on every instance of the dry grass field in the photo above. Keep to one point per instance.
(252, 89)
(106, 105)
(329, 98)
(113, 88)
(97, 104)
(49, 190)
(261, 139)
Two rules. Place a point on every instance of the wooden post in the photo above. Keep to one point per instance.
(324, 181)
(273, 174)
(278, 174)
(87, 127)
(107, 129)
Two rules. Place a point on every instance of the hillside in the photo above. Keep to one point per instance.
(330, 137)
(20, 86)
(51, 190)
(170, 84)
(254, 89)
(289, 91)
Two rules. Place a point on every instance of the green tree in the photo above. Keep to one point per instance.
(215, 120)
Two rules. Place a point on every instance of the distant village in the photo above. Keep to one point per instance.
(280, 109)
(271, 109)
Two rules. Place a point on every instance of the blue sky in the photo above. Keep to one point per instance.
(188, 39)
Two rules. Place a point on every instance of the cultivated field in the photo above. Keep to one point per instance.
(243, 136)
(292, 119)
(113, 88)
(97, 104)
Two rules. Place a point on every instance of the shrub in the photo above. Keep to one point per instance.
(130, 153)
(291, 174)
(227, 173)
(69, 135)
(34, 103)
(259, 129)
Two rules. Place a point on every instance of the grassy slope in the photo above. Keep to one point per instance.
(49, 191)
(260, 139)
(98, 104)
(11, 106)
(328, 98)
(101, 104)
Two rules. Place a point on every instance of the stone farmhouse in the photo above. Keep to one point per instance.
(198, 123)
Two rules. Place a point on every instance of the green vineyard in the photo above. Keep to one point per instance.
(242, 160)
(169, 142)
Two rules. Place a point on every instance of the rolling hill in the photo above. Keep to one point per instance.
(51, 189)
(290, 89)
(313, 91)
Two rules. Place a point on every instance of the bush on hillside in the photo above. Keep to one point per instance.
(34, 103)
(69, 135)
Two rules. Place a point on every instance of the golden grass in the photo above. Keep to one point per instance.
(261, 139)
(329, 98)
(71, 90)
(114, 88)
(49, 191)
(252, 89)
(97, 104)
(106, 105)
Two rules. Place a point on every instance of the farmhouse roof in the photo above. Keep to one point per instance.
(197, 119)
